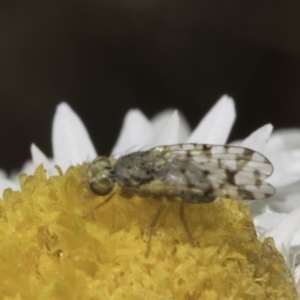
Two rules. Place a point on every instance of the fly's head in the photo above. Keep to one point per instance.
(101, 176)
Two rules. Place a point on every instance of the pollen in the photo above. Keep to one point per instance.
(49, 250)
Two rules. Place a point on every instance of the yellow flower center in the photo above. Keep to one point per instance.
(48, 250)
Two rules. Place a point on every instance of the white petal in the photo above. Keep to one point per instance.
(258, 139)
(294, 262)
(3, 174)
(70, 139)
(257, 208)
(286, 198)
(283, 150)
(284, 232)
(6, 183)
(284, 139)
(296, 240)
(297, 276)
(268, 220)
(38, 157)
(28, 167)
(215, 127)
(284, 174)
(160, 120)
(169, 133)
(137, 131)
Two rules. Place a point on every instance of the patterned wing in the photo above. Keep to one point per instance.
(201, 173)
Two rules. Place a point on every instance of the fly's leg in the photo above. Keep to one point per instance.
(153, 223)
(99, 205)
(182, 218)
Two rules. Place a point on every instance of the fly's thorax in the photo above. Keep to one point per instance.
(134, 169)
(101, 175)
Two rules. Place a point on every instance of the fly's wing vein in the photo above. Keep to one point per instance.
(210, 171)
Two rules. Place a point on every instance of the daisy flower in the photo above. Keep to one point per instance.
(52, 249)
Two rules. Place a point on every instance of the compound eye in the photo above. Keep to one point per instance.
(102, 186)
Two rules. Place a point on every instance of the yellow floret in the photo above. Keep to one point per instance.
(48, 250)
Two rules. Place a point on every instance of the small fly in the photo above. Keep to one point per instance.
(193, 173)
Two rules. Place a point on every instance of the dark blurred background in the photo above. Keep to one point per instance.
(106, 56)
